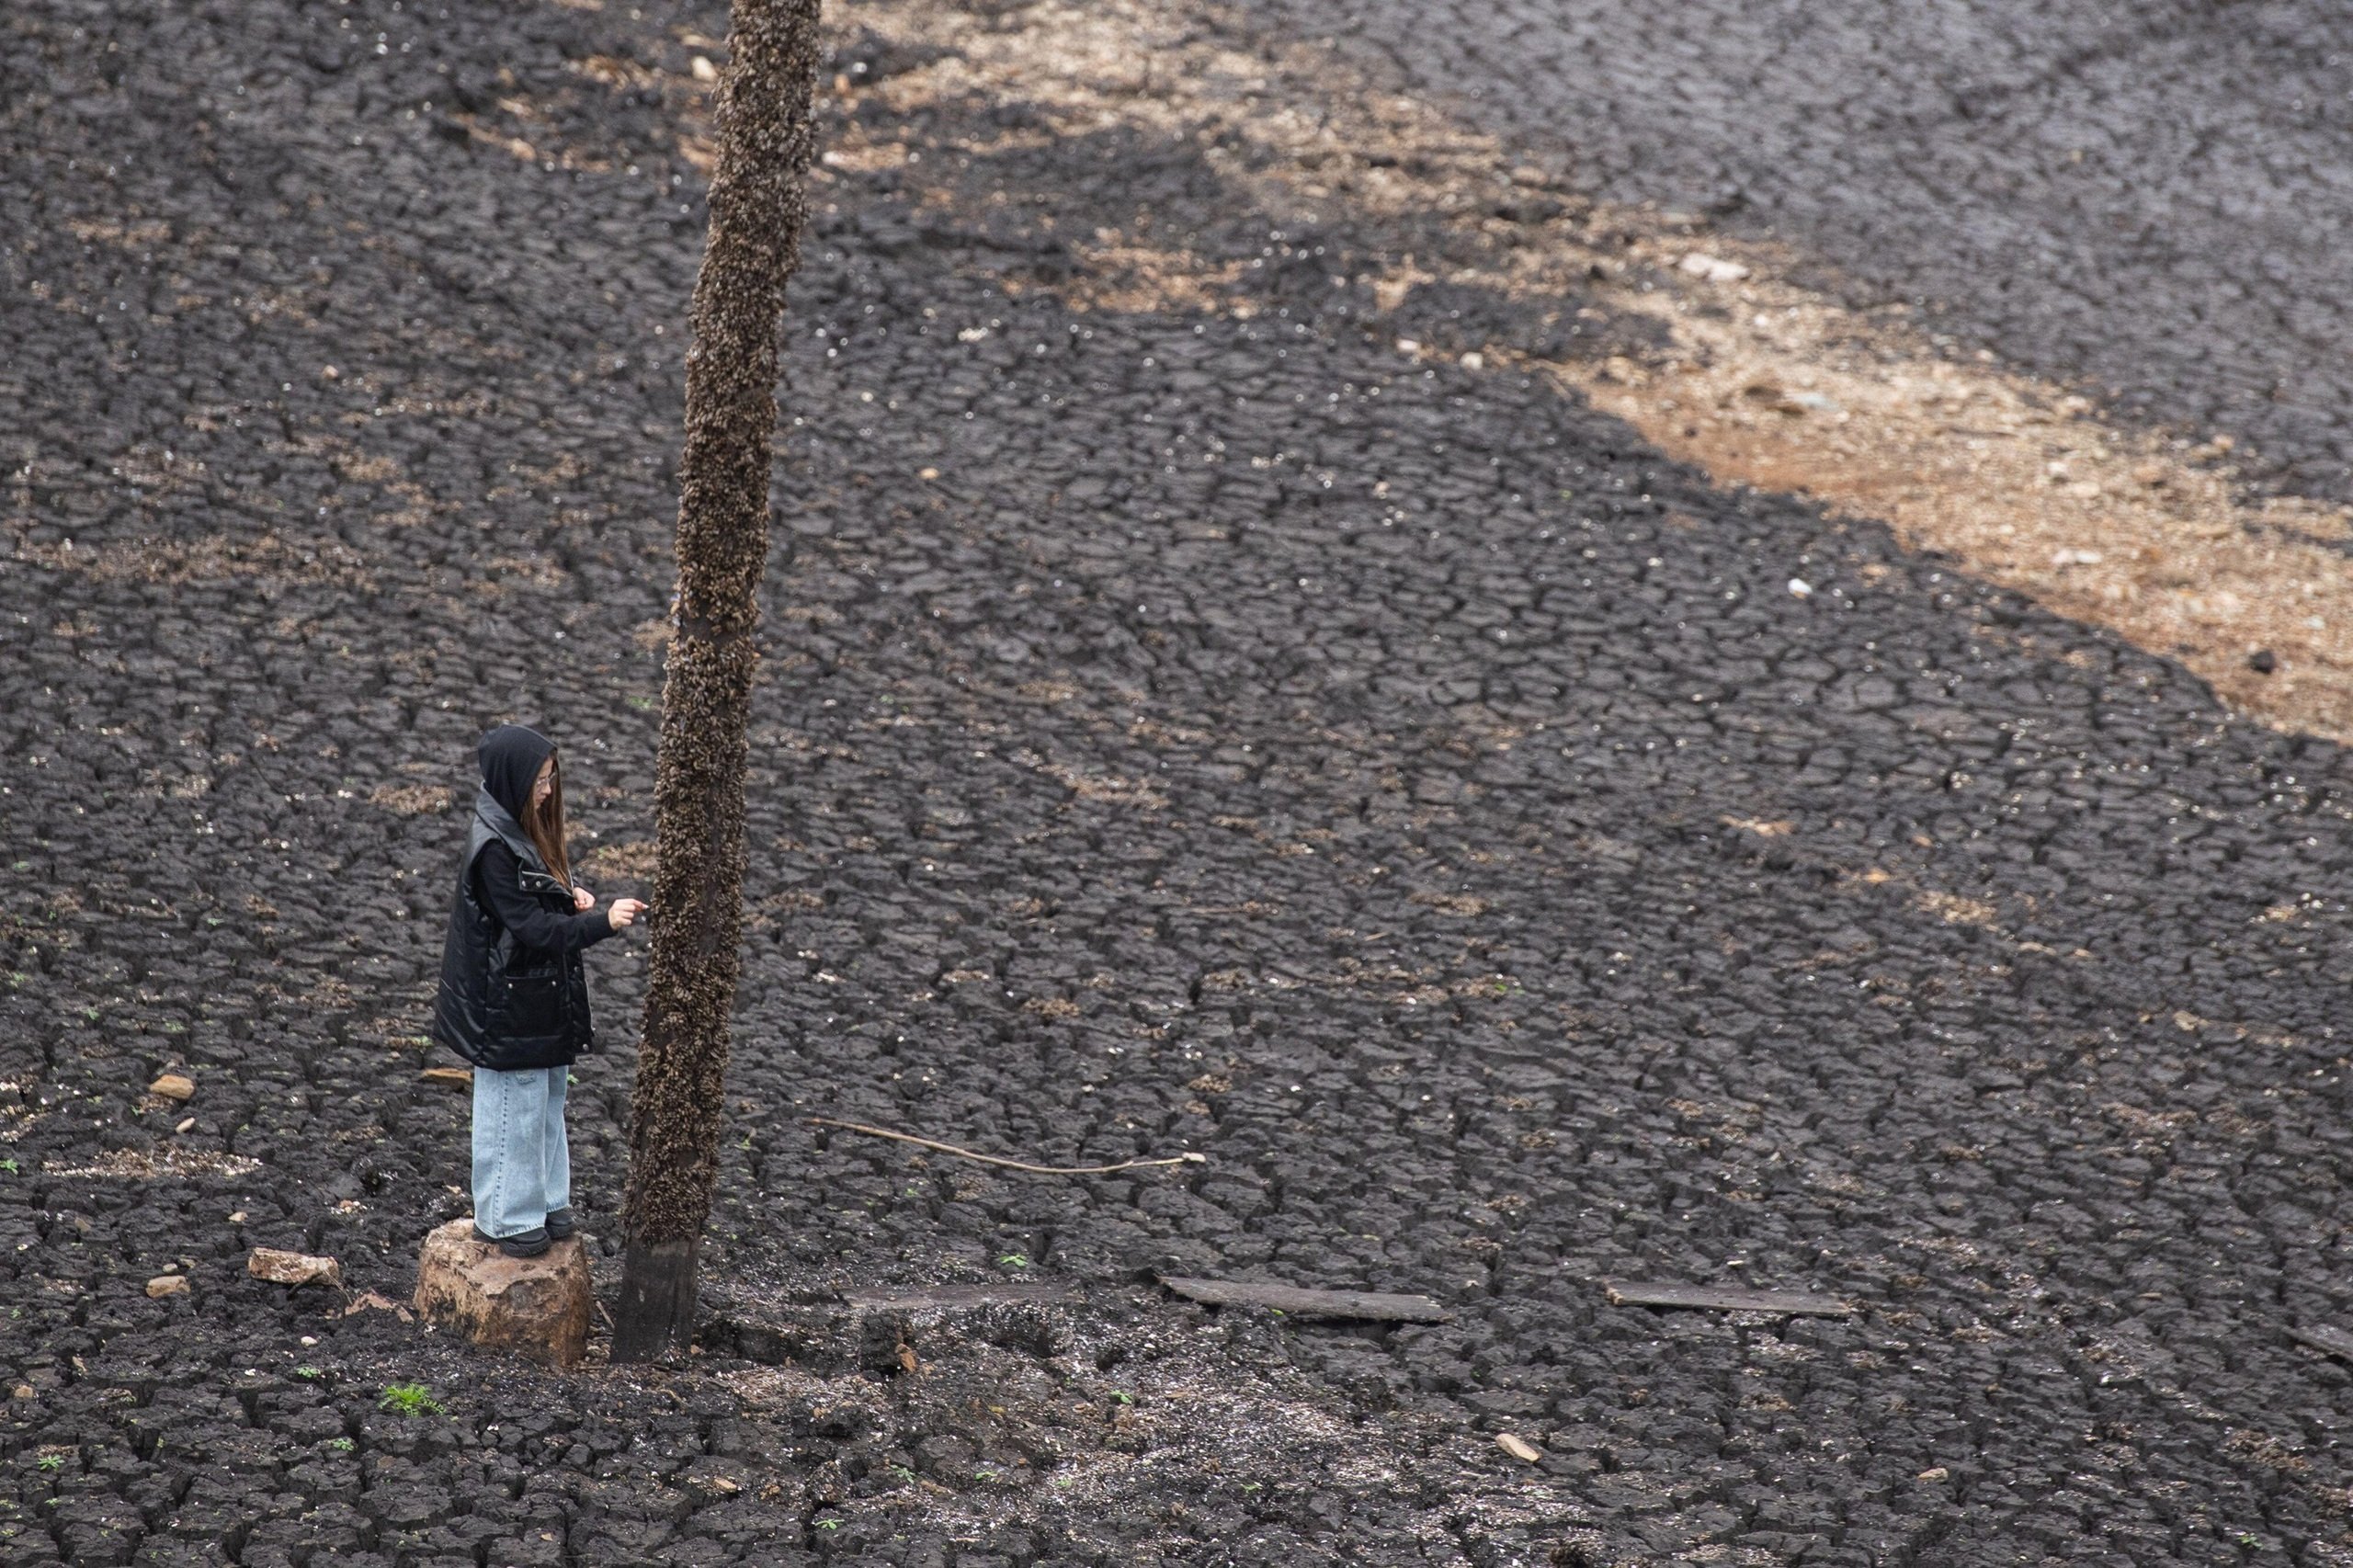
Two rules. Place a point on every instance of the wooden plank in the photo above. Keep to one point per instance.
(1714, 1298)
(1366, 1306)
(2320, 1337)
(950, 1298)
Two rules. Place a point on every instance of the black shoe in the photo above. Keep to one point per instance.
(530, 1243)
(561, 1224)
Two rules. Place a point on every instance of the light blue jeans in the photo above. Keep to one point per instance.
(522, 1161)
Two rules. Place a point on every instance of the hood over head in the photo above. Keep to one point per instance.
(510, 758)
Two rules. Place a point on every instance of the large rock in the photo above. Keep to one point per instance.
(535, 1305)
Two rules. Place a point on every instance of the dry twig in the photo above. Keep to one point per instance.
(1184, 1159)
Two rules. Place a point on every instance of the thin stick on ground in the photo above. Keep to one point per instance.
(1185, 1159)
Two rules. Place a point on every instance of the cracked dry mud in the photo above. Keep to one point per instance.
(1192, 721)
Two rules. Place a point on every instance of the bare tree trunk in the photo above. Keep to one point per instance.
(759, 203)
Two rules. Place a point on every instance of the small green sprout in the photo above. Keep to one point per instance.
(1123, 1396)
(53, 1462)
(829, 1524)
(10, 1165)
(410, 1399)
(1014, 1260)
(341, 1445)
(310, 1374)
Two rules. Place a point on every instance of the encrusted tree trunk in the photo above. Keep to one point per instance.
(759, 203)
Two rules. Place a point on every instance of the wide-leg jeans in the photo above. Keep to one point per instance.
(522, 1161)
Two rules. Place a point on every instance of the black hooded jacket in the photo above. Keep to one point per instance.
(514, 993)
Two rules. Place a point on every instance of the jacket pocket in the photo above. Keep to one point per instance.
(527, 1006)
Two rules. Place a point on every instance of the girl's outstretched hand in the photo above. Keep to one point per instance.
(623, 911)
(582, 899)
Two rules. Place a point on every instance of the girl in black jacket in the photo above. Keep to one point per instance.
(514, 996)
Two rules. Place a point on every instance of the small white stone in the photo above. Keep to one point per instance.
(1801, 588)
(1713, 268)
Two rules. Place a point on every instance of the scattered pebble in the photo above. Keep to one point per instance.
(1801, 588)
(281, 1267)
(174, 1087)
(165, 1285)
(1518, 1447)
(1713, 269)
(2263, 660)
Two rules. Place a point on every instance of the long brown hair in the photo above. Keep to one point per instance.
(544, 825)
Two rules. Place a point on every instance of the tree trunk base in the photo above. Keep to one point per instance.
(656, 1315)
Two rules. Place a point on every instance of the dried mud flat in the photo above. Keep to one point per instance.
(1282, 647)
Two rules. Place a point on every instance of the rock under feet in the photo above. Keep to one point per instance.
(535, 1305)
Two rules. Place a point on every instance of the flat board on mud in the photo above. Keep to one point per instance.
(1371, 1306)
(951, 1297)
(1710, 1297)
(2321, 1336)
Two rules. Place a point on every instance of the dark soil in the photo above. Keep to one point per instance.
(2141, 198)
(1179, 731)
